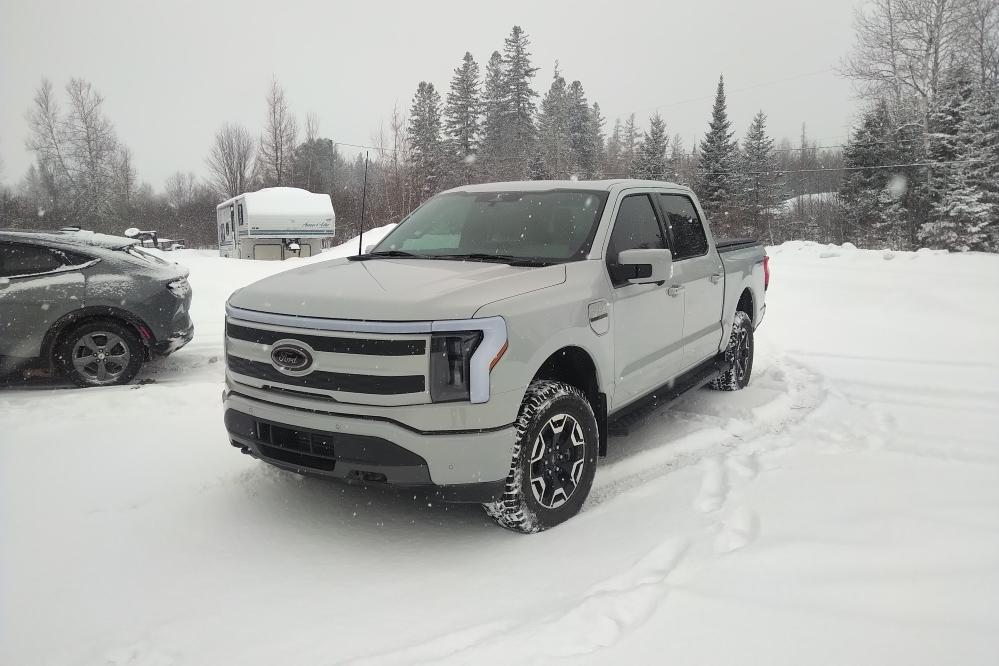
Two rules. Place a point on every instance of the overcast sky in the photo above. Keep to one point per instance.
(171, 72)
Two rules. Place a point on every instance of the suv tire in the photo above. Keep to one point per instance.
(100, 352)
(738, 354)
(554, 459)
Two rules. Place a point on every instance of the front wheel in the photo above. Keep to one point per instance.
(738, 355)
(554, 459)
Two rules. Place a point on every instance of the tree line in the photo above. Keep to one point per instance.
(918, 169)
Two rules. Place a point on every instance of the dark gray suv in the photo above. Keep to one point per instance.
(91, 306)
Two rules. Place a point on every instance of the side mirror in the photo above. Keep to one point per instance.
(646, 266)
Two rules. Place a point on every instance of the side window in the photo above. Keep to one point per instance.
(240, 214)
(688, 231)
(17, 259)
(636, 227)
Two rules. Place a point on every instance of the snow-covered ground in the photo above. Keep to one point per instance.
(844, 509)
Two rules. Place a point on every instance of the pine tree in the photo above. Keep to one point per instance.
(716, 180)
(463, 109)
(578, 110)
(595, 142)
(519, 97)
(495, 117)
(760, 190)
(651, 162)
(426, 148)
(629, 143)
(614, 164)
(961, 213)
(555, 147)
(872, 203)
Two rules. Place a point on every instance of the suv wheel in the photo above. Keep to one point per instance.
(554, 459)
(738, 354)
(100, 353)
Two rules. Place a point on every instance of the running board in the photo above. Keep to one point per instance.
(619, 422)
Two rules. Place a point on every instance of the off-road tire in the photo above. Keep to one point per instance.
(64, 352)
(519, 509)
(738, 355)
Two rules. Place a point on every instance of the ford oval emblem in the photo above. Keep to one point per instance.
(291, 358)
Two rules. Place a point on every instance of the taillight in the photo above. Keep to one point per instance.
(766, 272)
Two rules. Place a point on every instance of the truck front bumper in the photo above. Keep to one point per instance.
(454, 466)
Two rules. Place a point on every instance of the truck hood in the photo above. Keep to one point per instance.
(393, 289)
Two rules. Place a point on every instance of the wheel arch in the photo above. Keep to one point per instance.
(575, 366)
(747, 304)
(68, 321)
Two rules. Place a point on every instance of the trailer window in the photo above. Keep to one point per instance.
(240, 214)
(688, 230)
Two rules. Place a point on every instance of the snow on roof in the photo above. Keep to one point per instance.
(543, 185)
(284, 201)
(78, 237)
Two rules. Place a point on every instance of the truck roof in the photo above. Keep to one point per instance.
(542, 185)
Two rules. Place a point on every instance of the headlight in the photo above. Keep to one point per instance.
(180, 288)
(450, 354)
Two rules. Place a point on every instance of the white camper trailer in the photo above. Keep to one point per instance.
(274, 223)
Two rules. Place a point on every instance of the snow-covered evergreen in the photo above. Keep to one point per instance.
(650, 162)
(717, 182)
(426, 148)
(760, 184)
(520, 106)
(462, 113)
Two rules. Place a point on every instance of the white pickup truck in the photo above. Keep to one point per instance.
(483, 349)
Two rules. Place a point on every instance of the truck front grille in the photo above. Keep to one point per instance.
(330, 381)
(352, 367)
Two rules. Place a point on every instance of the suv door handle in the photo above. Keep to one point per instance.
(716, 278)
(675, 290)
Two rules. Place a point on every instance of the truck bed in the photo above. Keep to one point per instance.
(732, 244)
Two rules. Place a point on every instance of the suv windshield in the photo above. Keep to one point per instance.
(556, 225)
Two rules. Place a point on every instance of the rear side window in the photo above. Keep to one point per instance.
(636, 228)
(688, 231)
(18, 259)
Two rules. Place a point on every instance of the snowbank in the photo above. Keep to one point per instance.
(841, 510)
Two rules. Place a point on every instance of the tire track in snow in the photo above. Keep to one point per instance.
(806, 391)
(599, 618)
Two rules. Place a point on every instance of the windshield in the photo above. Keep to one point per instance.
(556, 225)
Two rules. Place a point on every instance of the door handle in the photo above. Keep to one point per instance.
(675, 290)
(716, 278)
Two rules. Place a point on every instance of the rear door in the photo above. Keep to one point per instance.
(698, 269)
(38, 285)
(647, 318)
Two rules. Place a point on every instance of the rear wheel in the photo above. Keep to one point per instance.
(554, 459)
(100, 353)
(738, 355)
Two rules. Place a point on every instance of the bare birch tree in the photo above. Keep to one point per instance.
(277, 144)
(230, 161)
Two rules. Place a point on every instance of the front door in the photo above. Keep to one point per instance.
(701, 275)
(647, 318)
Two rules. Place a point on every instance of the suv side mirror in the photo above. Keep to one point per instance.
(647, 266)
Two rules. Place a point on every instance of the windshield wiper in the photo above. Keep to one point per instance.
(497, 258)
(386, 254)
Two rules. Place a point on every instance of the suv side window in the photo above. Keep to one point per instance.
(18, 259)
(688, 231)
(636, 227)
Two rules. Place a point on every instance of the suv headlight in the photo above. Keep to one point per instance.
(180, 288)
(450, 354)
